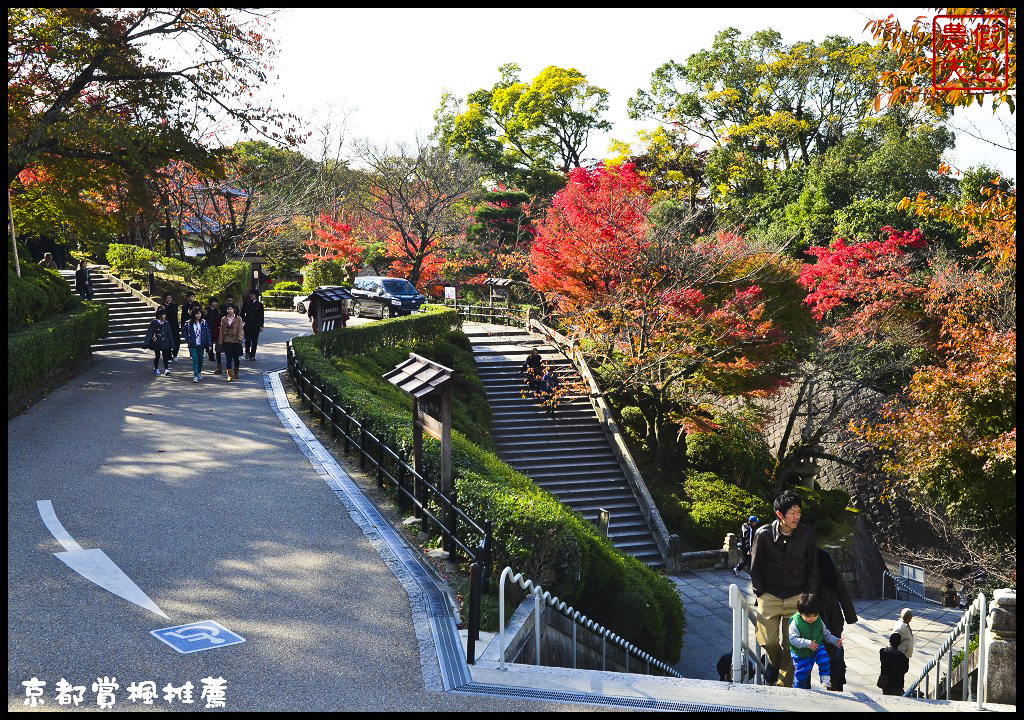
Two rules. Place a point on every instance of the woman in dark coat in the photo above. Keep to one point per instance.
(160, 339)
(836, 606)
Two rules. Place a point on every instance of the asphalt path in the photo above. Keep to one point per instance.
(203, 499)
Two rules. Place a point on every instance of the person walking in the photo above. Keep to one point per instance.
(48, 261)
(231, 336)
(253, 315)
(807, 639)
(746, 543)
(902, 627)
(783, 566)
(949, 596)
(160, 340)
(836, 608)
(83, 281)
(198, 336)
(172, 317)
(534, 368)
(894, 666)
(186, 309)
(213, 322)
(549, 386)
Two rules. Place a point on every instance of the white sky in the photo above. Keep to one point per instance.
(391, 65)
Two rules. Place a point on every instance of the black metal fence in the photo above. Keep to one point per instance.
(430, 505)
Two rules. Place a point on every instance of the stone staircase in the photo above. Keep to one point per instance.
(568, 454)
(129, 316)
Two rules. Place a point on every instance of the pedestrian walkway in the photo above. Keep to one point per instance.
(705, 596)
(200, 495)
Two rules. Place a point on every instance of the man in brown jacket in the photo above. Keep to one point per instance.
(783, 564)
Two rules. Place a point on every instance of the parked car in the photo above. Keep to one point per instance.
(385, 296)
(301, 302)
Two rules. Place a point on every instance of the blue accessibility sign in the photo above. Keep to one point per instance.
(197, 636)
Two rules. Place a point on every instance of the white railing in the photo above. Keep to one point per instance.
(743, 616)
(901, 583)
(977, 610)
(540, 597)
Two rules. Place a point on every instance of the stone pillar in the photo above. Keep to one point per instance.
(731, 547)
(675, 555)
(1001, 673)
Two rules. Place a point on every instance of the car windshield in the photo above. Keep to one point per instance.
(399, 287)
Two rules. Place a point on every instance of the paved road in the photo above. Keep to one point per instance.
(201, 497)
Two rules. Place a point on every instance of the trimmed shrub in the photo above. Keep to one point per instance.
(39, 353)
(533, 532)
(35, 296)
(130, 261)
(716, 508)
(322, 272)
(234, 277)
(434, 322)
(185, 271)
(288, 286)
(278, 300)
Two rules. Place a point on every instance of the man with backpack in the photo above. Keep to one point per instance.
(746, 543)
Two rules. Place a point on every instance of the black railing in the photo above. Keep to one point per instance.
(430, 505)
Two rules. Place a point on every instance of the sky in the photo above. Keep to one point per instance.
(388, 67)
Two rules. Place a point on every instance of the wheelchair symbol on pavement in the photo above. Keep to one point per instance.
(197, 636)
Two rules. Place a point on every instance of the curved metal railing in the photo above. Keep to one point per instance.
(976, 610)
(903, 584)
(743, 616)
(578, 619)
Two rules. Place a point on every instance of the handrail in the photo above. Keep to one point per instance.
(977, 609)
(504, 313)
(539, 595)
(604, 413)
(742, 611)
(411, 485)
(901, 583)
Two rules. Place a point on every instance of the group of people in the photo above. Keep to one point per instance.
(206, 331)
(542, 380)
(803, 605)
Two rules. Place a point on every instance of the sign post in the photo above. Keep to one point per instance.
(430, 385)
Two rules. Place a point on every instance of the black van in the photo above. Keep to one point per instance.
(385, 296)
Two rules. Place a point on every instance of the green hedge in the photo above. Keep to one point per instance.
(322, 272)
(40, 352)
(130, 261)
(288, 286)
(36, 295)
(533, 532)
(278, 300)
(434, 322)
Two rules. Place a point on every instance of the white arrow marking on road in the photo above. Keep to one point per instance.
(94, 565)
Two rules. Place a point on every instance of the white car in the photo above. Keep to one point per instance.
(301, 302)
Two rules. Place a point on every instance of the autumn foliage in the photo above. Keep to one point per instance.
(676, 318)
(332, 240)
(861, 287)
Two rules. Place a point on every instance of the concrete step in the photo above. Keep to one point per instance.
(568, 453)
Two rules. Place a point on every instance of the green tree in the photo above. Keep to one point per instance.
(98, 84)
(529, 135)
(781, 103)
